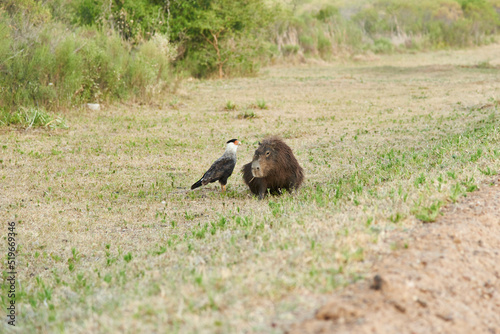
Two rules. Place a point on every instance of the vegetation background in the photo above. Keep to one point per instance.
(61, 54)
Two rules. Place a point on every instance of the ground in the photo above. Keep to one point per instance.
(446, 282)
(110, 238)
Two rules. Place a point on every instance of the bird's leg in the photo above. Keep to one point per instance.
(223, 187)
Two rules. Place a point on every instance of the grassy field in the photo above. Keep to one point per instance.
(111, 239)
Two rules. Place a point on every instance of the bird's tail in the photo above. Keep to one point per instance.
(196, 185)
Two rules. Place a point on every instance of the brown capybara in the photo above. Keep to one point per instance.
(273, 167)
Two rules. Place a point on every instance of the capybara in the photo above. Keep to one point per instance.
(273, 167)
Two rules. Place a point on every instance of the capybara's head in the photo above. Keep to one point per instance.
(266, 156)
(273, 157)
(265, 159)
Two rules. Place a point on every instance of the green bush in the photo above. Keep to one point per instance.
(415, 24)
(307, 44)
(57, 54)
(327, 12)
(382, 45)
(290, 49)
(133, 20)
(149, 73)
(48, 65)
(220, 37)
(324, 45)
(31, 117)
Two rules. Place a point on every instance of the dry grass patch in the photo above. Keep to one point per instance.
(111, 239)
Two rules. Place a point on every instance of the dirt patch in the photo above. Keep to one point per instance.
(446, 281)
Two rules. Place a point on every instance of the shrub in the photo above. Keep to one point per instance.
(149, 70)
(290, 49)
(134, 20)
(31, 117)
(220, 36)
(414, 24)
(56, 54)
(324, 45)
(382, 45)
(307, 43)
(52, 67)
(327, 12)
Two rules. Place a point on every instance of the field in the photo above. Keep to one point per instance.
(111, 239)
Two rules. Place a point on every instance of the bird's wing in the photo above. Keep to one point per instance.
(222, 166)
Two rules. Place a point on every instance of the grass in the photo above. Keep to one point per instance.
(31, 117)
(111, 237)
(428, 214)
(247, 114)
(261, 104)
(230, 105)
(82, 65)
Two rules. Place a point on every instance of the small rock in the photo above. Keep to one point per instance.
(377, 282)
(445, 317)
(421, 302)
(399, 307)
(94, 106)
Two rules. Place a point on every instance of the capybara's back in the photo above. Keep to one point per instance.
(273, 167)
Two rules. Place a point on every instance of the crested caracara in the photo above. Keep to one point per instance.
(222, 168)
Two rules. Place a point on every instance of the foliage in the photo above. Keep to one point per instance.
(58, 54)
(219, 35)
(46, 65)
(31, 117)
(134, 20)
(383, 26)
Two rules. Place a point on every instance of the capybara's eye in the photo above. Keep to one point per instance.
(268, 153)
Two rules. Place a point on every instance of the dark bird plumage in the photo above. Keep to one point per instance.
(222, 168)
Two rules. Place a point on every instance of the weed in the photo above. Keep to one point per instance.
(456, 192)
(420, 180)
(428, 214)
(276, 208)
(31, 117)
(469, 184)
(174, 103)
(127, 257)
(189, 215)
(261, 104)
(230, 105)
(397, 217)
(247, 114)
(476, 156)
(487, 171)
(107, 278)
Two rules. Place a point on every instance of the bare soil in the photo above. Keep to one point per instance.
(446, 281)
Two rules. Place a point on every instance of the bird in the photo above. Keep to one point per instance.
(222, 168)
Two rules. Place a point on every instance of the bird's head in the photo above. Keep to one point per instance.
(232, 145)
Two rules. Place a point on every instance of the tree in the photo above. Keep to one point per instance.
(211, 29)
